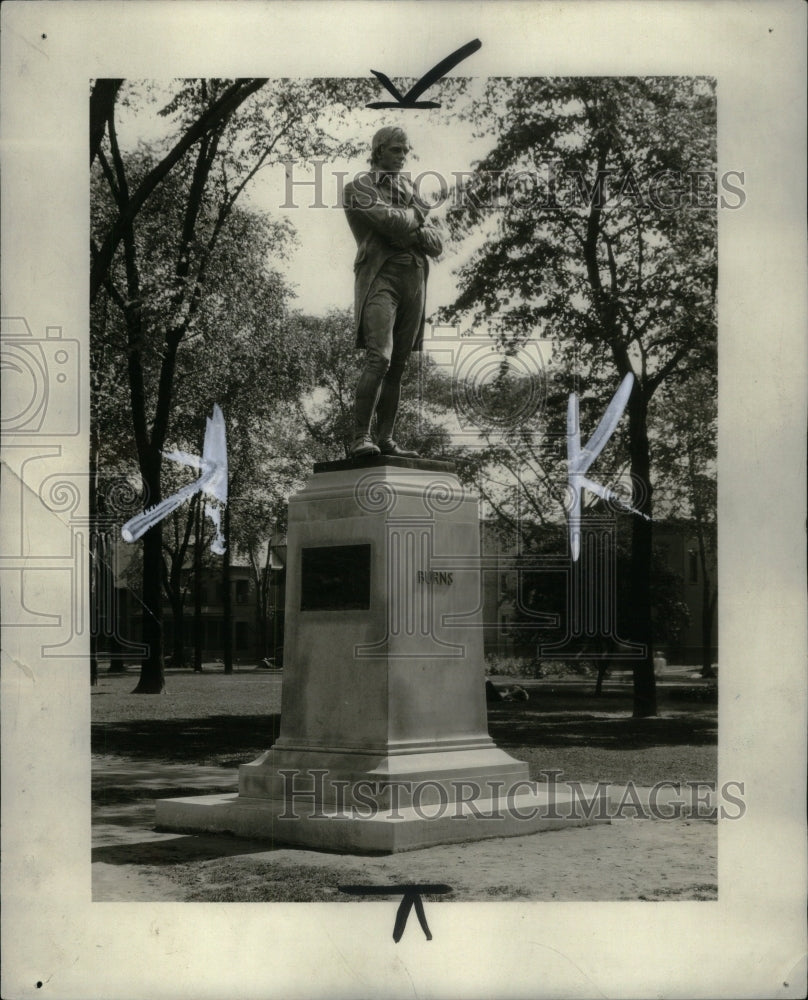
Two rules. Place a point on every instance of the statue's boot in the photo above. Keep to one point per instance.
(386, 412)
(367, 394)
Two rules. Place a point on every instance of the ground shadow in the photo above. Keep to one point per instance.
(180, 850)
(525, 726)
(544, 721)
(225, 740)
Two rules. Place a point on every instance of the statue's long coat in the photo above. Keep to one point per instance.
(381, 229)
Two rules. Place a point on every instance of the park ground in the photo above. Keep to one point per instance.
(191, 739)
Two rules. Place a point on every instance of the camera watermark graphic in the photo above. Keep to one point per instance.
(60, 568)
(490, 390)
(40, 381)
(62, 574)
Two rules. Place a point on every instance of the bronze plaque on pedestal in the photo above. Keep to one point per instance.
(335, 578)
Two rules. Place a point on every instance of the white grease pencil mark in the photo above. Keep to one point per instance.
(579, 459)
(212, 482)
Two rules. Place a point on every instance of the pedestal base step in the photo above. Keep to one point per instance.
(354, 831)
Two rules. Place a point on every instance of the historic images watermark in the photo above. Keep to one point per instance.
(313, 793)
(546, 186)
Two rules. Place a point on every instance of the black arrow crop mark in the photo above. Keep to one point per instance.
(410, 99)
(412, 898)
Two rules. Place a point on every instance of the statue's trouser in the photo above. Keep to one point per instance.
(391, 319)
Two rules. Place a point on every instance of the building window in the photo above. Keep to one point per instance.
(214, 634)
(692, 566)
(242, 590)
(505, 625)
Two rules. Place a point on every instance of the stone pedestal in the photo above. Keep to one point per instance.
(383, 743)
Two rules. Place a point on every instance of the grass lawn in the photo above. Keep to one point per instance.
(225, 720)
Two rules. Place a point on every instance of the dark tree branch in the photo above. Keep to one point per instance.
(113, 186)
(218, 112)
(102, 106)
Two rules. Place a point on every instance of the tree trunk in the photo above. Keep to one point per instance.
(708, 597)
(645, 703)
(198, 538)
(174, 586)
(603, 669)
(640, 566)
(262, 631)
(263, 592)
(152, 679)
(102, 105)
(178, 644)
(708, 602)
(227, 602)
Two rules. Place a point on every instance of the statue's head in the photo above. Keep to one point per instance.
(389, 149)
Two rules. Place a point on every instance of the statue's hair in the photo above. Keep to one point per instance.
(382, 138)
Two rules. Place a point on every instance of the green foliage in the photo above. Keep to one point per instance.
(612, 275)
(684, 426)
(604, 243)
(200, 311)
(605, 272)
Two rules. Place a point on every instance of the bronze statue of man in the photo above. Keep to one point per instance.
(394, 241)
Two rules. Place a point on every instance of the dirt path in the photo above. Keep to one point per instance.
(628, 859)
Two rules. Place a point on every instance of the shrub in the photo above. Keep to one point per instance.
(530, 666)
(510, 666)
(705, 693)
(566, 668)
